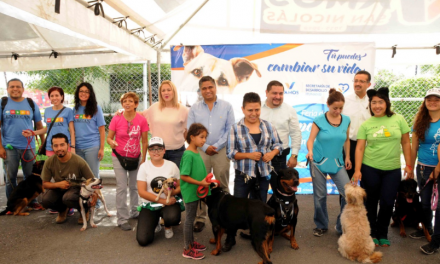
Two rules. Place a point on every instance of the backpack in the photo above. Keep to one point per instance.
(31, 104)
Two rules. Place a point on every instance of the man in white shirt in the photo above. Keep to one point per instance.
(356, 107)
(285, 120)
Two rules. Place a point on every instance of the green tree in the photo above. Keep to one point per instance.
(385, 78)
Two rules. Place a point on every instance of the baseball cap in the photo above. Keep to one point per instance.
(156, 141)
(433, 91)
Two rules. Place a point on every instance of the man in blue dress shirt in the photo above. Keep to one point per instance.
(217, 116)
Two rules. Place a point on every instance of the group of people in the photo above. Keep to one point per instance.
(358, 139)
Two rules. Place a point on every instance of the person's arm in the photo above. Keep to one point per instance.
(110, 141)
(2, 149)
(406, 147)
(102, 142)
(232, 149)
(311, 140)
(414, 149)
(359, 156)
(143, 193)
(64, 185)
(347, 150)
(144, 145)
(230, 120)
(72, 137)
(39, 126)
(295, 139)
(188, 179)
(434, 174)
(276, 144)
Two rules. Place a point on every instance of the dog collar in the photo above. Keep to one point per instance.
(285, 194)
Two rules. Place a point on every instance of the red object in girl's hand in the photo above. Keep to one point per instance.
(203, 191)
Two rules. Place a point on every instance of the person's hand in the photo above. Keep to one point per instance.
(171, 202)
(72, 150)
(64, 185)
(26, 133)
(100, 154)
(113, 144)
(292, 162)
(204, 183)
(211, 150)
(268, 156)
(2, 152)
(408, 173)
(309, 156)
(347, 163)
(255, 156)
(357, 176)
(119, 112)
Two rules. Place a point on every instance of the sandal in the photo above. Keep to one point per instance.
(376, 242)
(383, 242)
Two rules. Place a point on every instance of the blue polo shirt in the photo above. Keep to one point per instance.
(16, 117)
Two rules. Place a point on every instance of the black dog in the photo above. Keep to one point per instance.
(283, 201)
(229, 213)
(25, 192)
(408, 209)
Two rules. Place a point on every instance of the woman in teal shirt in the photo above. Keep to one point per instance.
(331, 131)
(378, 163)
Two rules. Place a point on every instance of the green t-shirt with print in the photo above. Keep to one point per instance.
(383, 136)
(191, 165)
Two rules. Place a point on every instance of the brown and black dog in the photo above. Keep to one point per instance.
(25, 192)
(228, 214)
(283, 201)
(408, 209)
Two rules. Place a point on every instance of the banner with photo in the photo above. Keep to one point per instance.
(307, 71)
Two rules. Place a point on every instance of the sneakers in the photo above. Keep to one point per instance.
(429, 249)
(197, 246)
(419, 234)
(134, 215)
(51, 211)
(71, 212)
(318, 232)
(169, 233)
(158, 228)
(36, 206)
(62, 217)
(192, 253)
(125, 226)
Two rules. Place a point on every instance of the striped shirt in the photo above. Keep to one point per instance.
(240, 140)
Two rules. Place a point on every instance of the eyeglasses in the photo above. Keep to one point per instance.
(84, 92)
(360, 81)
(157, 150)
(129, 124)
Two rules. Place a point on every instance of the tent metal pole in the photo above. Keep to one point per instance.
(158, 71)
(184, 23)
(150, 97)
(145, 84)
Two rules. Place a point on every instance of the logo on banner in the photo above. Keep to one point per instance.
(290, 90)
(343, 87)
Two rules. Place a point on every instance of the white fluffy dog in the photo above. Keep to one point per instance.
(356, 242)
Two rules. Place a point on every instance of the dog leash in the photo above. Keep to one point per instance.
(203, 191)
(29, 143)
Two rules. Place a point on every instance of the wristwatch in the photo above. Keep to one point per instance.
(294, 155)
(72, 146)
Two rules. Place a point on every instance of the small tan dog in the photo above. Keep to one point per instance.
(356, 242)
(90, 191)
(169, 184)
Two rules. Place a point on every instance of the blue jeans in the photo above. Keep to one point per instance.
(175, 155)
(242, 189)
(423, 173)
(11, 163)
(381, 186)
(90, 155)
(320, 195)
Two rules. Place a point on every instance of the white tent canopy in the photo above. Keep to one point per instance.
(414, 26)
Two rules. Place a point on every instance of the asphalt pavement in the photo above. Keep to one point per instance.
(38, 239)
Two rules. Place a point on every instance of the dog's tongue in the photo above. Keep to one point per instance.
(409, 200)
(97, 187)
(295, 188)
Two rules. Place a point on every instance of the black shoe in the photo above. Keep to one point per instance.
(429, 249)
(419, 234)
(198, 227)
(228, 245)
(319, 232)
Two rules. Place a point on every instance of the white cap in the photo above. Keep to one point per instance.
(156, 141)
(433, 91)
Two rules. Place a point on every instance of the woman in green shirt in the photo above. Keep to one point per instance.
(378, 162)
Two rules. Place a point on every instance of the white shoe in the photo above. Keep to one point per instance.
(169, 233)
(158, 228)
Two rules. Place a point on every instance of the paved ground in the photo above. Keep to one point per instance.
(37, 239)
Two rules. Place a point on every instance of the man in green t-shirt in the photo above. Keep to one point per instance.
(67, 170)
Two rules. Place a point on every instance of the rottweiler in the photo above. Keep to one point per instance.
(408, 209)
(25, 192)
(228, 214)
(284, 185)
